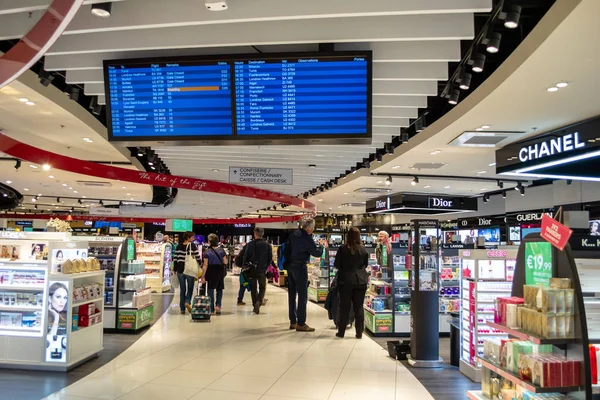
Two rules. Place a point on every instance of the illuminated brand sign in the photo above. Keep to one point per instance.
(485, 222)
(438, 202)
(551, 147)
(159, 223)
(88, 223)
(496, 253)
(382, 204)
(466, 253)
(242, 225)
(12, 235)
(532, 216)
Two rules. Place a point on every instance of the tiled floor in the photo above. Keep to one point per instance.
(242, 356)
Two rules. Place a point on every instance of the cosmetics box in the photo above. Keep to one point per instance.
(560, 283)
(87, 309)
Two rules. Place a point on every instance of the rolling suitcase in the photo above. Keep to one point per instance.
(201, 304)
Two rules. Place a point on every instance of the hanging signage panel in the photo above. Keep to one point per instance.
(469, 223)
(420, 204)
(556, 153)
(261, 176)
(555, 233)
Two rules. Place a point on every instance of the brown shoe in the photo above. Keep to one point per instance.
(293, 326)
(304, 328)
(189, 308)
(241, 303)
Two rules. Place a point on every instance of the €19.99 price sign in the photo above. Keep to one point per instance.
(538, 263)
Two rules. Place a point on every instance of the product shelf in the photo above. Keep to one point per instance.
(86, 328)
(524, 336)
(527, 385)
(22, 287)
(476, 395)
(377, 312)
(20, 308)
(369, 293)
(87, 301)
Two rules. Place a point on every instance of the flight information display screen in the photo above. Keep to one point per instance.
(314, 96)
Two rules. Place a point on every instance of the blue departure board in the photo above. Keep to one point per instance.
(324, 97)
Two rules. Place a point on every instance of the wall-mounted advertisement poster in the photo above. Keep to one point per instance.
(56, 337)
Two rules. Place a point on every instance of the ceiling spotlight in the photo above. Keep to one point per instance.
(504, 194)
(522, 190)
(513, 14)
(433, 153)
(74, 93)
(493, 44)
(389, 148)
(101, 202)
(80, 201)
(46, 78)
(478, 63)
(453, 97)
(419, 125)
(500, 184)
(102, 10)
(486, 198)
(34, 199)
(58, 199)
(140, 152)
(562, 84)
(414, 181)
(46, 167)
(353, 169)
(97, 109)
(388, 180)
(465, 81)
(8, 182)
(379, 157)
(366, 163)
(23, 99)
(17, 164)
(404, 137)
(519, 186)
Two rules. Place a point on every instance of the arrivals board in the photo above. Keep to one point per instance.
(313, 97)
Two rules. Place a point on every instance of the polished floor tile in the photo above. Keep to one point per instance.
(241, 356)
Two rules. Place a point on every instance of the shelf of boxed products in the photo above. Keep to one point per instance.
(96, 325)
(517, 333)
(514, 378)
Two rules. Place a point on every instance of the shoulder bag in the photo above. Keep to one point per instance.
(191, 264)
(250, 266)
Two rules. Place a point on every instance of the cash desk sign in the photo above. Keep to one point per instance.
(559, 145)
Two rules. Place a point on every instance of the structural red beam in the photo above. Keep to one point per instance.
(38, 40)
(32, 154)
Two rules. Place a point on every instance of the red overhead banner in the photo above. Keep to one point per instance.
(36, 155)
(554, 232)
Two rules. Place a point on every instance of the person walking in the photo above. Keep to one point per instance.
(351, 262)
(186, 282)
(214, 272)
(383, 252)
(302, 247)
(238, 261)
(258, 253)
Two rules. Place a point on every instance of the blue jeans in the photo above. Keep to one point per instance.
(211, 294)
(186, 288)
(241, 294)
(297, 285)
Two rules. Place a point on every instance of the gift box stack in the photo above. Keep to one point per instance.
(543, 312)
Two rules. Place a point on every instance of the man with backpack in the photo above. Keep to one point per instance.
(298, 251)
(257, 258)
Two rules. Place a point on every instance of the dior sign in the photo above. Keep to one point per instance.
(437, 202)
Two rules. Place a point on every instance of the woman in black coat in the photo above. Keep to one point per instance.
(351, 261)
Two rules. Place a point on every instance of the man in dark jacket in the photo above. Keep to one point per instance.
(302, 246)
(260, 253)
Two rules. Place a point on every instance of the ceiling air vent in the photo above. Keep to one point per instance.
(372, 190)
(94, 184)
(493, 139)
(427, 166)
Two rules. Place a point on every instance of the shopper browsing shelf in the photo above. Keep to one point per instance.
(351, 262)
(185, 256)
(257, 258)
(383, 252)
(302, 247)
(214, 272)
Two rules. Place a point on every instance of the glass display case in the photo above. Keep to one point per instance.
(155, 257)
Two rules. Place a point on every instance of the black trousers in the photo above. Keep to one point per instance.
(354, 294)
(258, 287)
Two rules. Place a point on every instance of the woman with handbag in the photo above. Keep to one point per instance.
(187, 266)
(214, 272)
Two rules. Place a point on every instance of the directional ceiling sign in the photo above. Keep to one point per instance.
(261, 176)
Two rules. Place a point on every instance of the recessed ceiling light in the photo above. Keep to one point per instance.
(396, 166)
(123, 187)
(87, 139)
(128, 194)
(492, 164)
(482, 172)
(345, 193)
(320, 200)
(84, 197)
(562, 84)
(51, 176)
(25, 189)
(75, 191)
(552, 89)
(70, 188)
(433, 153)
(427, 186)
(446, 187)
(478, 129)
(378, 182)
(215, 170)
(30, 103)
(485, 126)
(23, 100)
(131, 198)
(8, 182)
(46, 167)
(33, 166)
(482, 190)
(64, 184)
